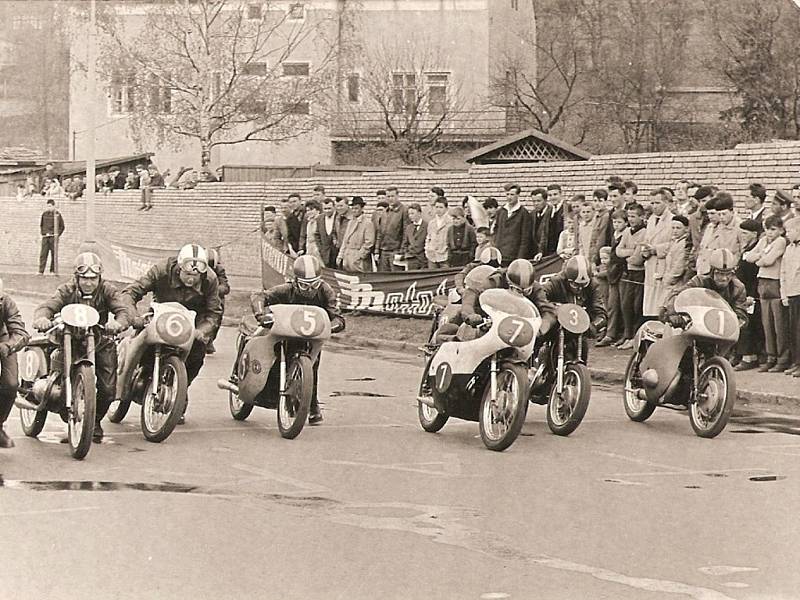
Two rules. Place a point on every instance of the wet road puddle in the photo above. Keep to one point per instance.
(361, 379)
(768, 478)
(755, 424)
(96, 486)
(336, 394)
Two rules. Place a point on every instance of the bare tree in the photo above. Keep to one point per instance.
(411, 106)
(221, 72)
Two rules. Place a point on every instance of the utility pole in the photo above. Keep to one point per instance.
(89, 242)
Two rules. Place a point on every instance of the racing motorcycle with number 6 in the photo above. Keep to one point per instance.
(274, 366)
(151, 370)
(57, 375)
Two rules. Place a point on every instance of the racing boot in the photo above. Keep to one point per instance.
(97, 434)
(210, 349)
(314, 413)
(5, 441)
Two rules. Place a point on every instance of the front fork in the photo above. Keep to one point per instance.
(67, 341)
(695, 373)
(156, 368)
(282, 378)
(493, 377)
(560, 362)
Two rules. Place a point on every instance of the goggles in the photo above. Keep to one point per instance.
(306, 285)
(520, 290)
(193, 266)
(89, 270)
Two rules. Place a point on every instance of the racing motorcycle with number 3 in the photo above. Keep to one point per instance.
(560, 378)
(684, 368)
(57, 375)
(151, 370)
(274, 366)
(483, 379)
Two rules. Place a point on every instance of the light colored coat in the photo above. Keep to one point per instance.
(436, 240)
(657, 234)
(718, 236)
(675, 263)
(359, 239)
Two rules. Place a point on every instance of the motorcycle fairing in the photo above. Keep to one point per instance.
(300, 321)
(664, 356)
(652, 331)
(712, 317)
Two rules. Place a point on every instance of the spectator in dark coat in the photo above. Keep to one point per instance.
(296, 224)
(751, 337)
(389, 234)
(461, 242)
(556, 224)
(491, 206)
(754, 202)
(51, 226)
(413, 247)
(326, 234)
(540, 224)
(513, 233)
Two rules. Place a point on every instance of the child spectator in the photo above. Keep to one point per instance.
(790, 290)
(484, 240)
(767, 255)
(567, 240)
(586, 240)
(601, 277)
(616, 269)
(751, 337)
(632, 284)
(461, 240)
(674, 267)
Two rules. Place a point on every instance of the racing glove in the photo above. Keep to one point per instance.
(114, 327)
(42, 324)
(5, 349)
(677, 321)
(474, 319)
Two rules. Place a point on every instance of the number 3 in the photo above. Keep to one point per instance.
(573, 317)
(309, 323)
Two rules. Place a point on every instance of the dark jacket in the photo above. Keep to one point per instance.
(557, 290)
(540, 225)
(286, 293)
(734, 294)
(47, 224)
(461, 244)
(163, 281)
(106, 298)
(12, 327)
(414, 241)
(616, 264)
(326, 243)
(389, 232)
(296, 225)
(554, 229)
(747, 273)
(222, 280)
(471, 306)
(513, 234)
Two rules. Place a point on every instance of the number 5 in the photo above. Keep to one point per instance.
(309, 323)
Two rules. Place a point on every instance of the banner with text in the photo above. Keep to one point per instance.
(125, 262)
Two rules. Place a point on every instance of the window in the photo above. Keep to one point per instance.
(297, 11)
(437, 93)
(300, 69)
(254, 69)
(25, 21)
(515, 4)
(160, 96)
(354, 87)
(301, 107)
(123, 92)
(254, 12)
(405, 93)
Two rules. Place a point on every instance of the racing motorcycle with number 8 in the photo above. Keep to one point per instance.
(57, 375)
(151, 370)
(274, 366)
(483, 379)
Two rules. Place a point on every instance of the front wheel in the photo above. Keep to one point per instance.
(637, 409)
(162, 411)
(716, 394)
(430, 418)
(32, 421)
(566, 410)
(293, 405)
(239, 410)
(80, 419)
(502, 417)
(118, 410)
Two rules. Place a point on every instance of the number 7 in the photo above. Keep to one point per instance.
(520, 325)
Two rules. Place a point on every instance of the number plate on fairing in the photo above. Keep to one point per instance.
(80, 315)
(515, 331)
(573, 318)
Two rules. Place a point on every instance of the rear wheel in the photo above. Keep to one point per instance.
(294, 404)
(32, 421)
(637, 409)
(502, 417)
(566, 410)
(162, 411)
(716, 394)
(80, 419)
(430, 418)
(118, 410)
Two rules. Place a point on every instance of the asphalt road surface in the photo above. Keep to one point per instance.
(367, 505)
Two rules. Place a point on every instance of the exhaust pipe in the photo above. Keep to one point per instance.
(21, 402)
(224, 384)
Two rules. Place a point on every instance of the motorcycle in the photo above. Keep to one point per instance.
(684, 368)
(483, 379)
(274, 366)
(71, 393)
(559, 376)
(151, 370)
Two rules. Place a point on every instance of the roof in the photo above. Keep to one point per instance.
(529, 145)
(73, 167)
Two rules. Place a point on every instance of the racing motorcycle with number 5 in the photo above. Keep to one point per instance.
(151, 370)
(57, 375)
(684, 368)
(274, 366)
(483, 379)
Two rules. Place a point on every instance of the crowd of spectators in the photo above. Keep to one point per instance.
(642, 246)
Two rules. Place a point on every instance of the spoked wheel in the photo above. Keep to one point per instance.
(32, 421)
(118, 410)
(293, 406)
(239, 410)
(80, 419)
(566, 410)
(430, 418)
(716, 394)
(637, 409)
(162, 411)
(502, 417)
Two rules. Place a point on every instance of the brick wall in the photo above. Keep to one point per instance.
(227, 213)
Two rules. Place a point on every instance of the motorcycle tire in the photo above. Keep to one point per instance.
(430, 419)
(637, 409)
(80, 420)
(293, 406)
(719, 379)
(118, 410)
(561, 419)
(239, 410)
(172, 373)
(514, 377)
(32, 421)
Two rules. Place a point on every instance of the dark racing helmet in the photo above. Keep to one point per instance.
(521, 276)
(490, 256)
(578, 272)
(307, 273)
(722, 260)
(88, 264)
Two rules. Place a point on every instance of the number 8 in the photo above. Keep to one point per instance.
(80, 316)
